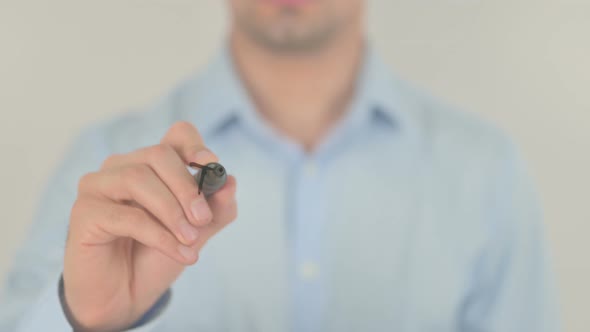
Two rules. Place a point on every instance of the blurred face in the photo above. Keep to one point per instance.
(295, 25)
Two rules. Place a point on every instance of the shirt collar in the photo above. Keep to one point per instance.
(217, 97)
(379, 94)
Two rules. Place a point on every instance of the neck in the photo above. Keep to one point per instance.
(304, 94)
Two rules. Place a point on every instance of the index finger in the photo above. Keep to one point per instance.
(186, 140)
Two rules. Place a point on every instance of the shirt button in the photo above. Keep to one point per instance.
(310, 168)
(309, 271)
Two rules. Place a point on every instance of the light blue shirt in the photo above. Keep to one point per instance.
(409, 216)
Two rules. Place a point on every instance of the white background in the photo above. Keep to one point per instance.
(522, 64)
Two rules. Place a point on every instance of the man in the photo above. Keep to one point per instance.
(364, 205)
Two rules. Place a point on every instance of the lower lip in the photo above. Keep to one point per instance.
(290, 2)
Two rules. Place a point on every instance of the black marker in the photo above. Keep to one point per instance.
(210, 178)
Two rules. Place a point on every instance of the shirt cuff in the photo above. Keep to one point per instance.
(151, 315)
(48, 313)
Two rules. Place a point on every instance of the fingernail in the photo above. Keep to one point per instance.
(186, 252)
(201, 210)
(205, 156)
(189, 232)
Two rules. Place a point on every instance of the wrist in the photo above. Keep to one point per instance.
(90, 321)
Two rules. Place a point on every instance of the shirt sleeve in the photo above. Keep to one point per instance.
(47, 313)
(30, 297)
(513, 288)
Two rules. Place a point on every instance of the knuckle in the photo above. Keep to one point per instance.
(111, 161)
(137, 173)
(85, 182)
(182, 126)
(159, 152)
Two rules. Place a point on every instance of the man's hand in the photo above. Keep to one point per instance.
(135, 225)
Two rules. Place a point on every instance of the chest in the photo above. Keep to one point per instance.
(397, 241)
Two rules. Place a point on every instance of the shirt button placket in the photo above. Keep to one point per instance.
(308, 288)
